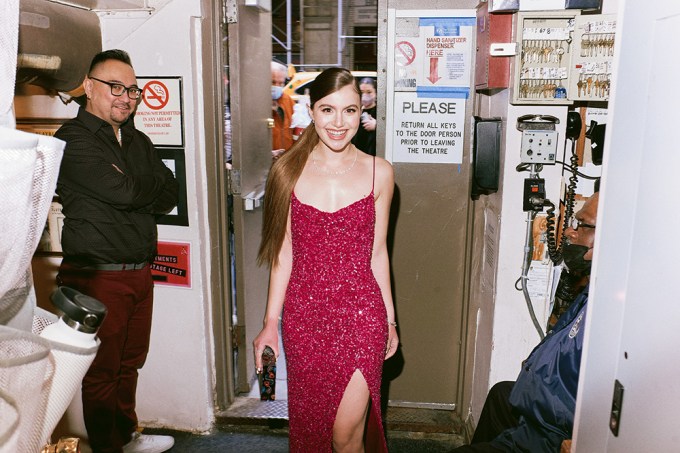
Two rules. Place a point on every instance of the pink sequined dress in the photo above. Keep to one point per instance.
(334, 321)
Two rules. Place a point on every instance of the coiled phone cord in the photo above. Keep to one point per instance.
(555, 251)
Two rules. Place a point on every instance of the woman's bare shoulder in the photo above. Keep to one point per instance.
(383, 169)
(384, 177)
(384, 174)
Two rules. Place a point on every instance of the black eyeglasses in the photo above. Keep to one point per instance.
(117, 89)
(575, 224)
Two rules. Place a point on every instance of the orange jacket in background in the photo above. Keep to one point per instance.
(282, 134)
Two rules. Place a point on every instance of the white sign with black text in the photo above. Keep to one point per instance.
(159, 113)
(428, 129)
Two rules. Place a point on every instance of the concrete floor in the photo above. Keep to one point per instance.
(253, 426)
(240, 440)
(408, 430)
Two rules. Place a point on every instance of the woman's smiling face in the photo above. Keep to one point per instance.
(337, 117)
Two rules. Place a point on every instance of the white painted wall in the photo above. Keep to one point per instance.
(175, 386)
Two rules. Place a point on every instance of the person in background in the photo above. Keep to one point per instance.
(365, 138)
(535, 413)
(282, 111)
(324, 234)
(112, 185)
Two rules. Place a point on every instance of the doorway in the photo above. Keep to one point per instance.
(241, 157)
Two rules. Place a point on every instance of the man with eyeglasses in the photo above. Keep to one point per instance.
(535, 413)
(112, 184)
(577, 269)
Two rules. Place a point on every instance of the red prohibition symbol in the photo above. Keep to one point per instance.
(156, 95)
(405, 53)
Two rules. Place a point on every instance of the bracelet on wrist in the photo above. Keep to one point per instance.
(392, 323)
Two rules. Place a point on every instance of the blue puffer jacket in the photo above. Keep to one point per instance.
(545, 392)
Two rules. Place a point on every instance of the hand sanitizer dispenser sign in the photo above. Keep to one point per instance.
(428, 81)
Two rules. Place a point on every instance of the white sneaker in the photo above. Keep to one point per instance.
(147, 443)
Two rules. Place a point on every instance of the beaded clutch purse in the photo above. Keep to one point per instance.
(268, 375)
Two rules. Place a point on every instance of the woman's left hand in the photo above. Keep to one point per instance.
(392, 342)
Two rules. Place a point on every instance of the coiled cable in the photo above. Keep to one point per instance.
(555, 248)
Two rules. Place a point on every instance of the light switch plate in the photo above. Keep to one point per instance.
(503, 49)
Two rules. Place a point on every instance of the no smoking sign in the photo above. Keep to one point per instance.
(159, 116)
(156, 95)
(404, 53)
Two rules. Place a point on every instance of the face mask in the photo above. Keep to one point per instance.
(277, 91)
(367, 99)
(573, 258)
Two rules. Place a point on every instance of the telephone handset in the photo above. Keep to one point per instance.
(569, 284)
(574, 126)
(595, 133)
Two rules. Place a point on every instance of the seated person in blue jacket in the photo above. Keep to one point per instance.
(536, 412)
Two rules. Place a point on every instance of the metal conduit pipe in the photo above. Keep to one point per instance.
(526, 262)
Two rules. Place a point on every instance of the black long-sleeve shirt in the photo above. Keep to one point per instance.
(111, 193)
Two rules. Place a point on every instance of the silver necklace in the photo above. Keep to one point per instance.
(335, 173)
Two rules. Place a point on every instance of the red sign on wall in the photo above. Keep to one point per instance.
(172, 264)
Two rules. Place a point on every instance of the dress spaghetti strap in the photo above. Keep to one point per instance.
(373, 185)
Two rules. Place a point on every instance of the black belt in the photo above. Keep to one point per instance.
(113, 266)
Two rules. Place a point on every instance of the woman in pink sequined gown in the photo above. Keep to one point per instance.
(324, 236)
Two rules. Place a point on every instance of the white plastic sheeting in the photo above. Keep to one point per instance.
(9, 41)
(38, 377)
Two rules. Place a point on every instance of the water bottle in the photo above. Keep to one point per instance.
(82, 316)
(73, 348)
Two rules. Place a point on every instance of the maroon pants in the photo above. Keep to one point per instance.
(110, 384)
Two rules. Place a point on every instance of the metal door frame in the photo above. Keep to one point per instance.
(220, 276)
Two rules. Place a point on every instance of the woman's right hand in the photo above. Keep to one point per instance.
(268, 336)
(369, 123)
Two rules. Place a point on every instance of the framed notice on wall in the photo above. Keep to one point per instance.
(159, 114)
(173, 158)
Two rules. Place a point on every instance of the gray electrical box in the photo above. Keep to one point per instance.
(539, 147)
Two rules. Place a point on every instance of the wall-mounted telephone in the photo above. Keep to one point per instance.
(595, 134)
(486, 152)
(539, 147)
(535, 201)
